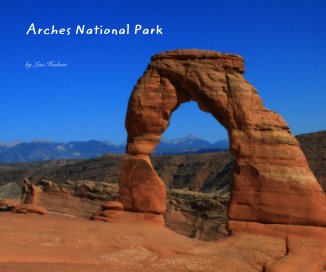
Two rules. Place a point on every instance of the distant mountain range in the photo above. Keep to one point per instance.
(195, 172)
(46, 150)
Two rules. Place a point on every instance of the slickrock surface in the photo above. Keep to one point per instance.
(36, 243)
(29, 208)
(272, 180)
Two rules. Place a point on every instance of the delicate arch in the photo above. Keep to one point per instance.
(272, 180)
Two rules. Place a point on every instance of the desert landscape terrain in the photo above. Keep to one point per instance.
(59, 243)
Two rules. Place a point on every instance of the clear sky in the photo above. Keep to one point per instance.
(283, 43)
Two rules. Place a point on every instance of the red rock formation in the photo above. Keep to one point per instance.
(112, 205)
(272, 180)
(32, 197)
(7, 204)
(30, 200)
(29, 208)
(305, 247)
(112, 211)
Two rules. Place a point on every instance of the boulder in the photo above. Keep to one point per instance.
(112, 205)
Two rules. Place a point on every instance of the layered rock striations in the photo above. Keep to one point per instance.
(272, 180)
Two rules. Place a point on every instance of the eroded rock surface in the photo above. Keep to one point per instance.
(57, 243)
(29, 208)
(272, 180)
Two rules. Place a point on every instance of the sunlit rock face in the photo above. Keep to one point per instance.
(272, 180)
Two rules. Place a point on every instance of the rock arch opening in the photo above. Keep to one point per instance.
(272, 180)
(183, 162)
(189, 122)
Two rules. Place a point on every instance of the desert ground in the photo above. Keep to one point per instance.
(32, 242)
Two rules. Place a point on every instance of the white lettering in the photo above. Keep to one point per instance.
(31, 28)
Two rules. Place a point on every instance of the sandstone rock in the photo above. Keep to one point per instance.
(30, 199)
(101, 191)
(29, 208)
(30, 243)
(112, 205)
(129, 217)
(143, 218)
(110, 214)
(49, 186)
(7, 204)
(305, 248)
(141, 189)
(112, 211)
(101, 218)
(33, 198)
(272, 180)
(67, 204)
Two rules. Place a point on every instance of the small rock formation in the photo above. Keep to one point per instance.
(29, 199)
(29, 208)
(112, 211)
(30, 192)
(109, 212)
(112, 206)
(272, 180)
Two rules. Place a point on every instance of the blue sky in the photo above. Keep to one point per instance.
(283, 43)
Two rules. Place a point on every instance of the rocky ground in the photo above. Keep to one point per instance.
(54, 243)
(194, 214)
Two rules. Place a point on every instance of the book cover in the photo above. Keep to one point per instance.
(162, 135)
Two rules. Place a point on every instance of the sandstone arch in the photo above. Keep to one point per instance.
(272, 180)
